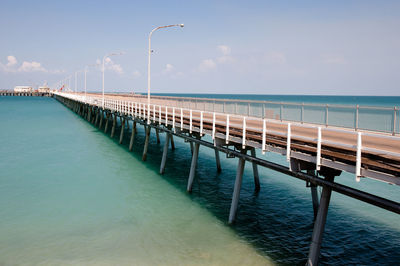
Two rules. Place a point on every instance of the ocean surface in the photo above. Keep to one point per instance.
(71, 195)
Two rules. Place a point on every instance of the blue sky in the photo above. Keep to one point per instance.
(262, 47)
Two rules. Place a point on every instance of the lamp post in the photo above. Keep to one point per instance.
(104, 58)
(149, 63)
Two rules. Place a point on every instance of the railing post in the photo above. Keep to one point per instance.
(223, 107)
(248, 109)
(281, 111)
(302, 113)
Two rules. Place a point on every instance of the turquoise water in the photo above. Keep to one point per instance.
(71, 195)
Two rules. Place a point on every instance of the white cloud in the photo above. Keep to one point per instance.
(31, 67)
(226, 57)
(168, 69)
(210, 64)
(171, 72)
(225, 50)
(11, 66)
(117, 69)
(109, 64)
(334, 59)
(136, 74)
(207, 64)
(11, 61)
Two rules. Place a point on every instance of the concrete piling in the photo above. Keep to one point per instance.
(191, 146)
(172, 141)
(164, 155)
(236, 189)
(114, 125)
(88, 114)
(93, 114)
(132, 135)
(107, 121)
(146, 143)
(97, 114)
(218, 161)
(319, 225)
(314, 195)
(121, 135)
(255, 172)
(158, 136)
(193, 165)
(101, 112)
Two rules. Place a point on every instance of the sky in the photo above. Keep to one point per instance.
(234, 47)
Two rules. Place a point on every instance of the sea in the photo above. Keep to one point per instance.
(71, 195)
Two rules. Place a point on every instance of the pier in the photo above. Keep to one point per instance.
(315, 152)
(13, 93)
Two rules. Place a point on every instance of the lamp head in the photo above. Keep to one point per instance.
(182, 25)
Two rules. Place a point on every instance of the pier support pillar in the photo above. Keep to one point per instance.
(320, 221)
(191, 147)
(164, 155)
(114, 125)
(193, 166)
(121, 135)
(101, 113)
(172, 141)
(146, 143)
(93, 114)
(107, 121)
(319, 225)
(236, 189)
(218, 161)
(132, 136)
(97, 114)
(255, 172)
(158, 135)
(88, 113)
(314, 195)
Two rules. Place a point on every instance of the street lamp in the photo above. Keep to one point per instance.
(104, 58)
(148, 66)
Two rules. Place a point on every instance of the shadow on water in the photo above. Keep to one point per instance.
(278, 221)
